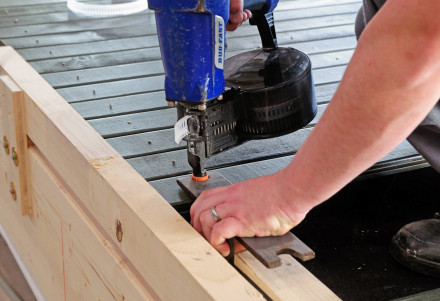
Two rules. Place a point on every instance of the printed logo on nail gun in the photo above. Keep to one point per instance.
(219, 42)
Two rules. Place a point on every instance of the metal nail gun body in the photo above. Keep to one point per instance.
(257, 94)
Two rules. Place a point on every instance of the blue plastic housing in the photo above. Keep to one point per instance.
(192, 42)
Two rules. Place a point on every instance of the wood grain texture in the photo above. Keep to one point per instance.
(302, 285)
(13, 111)
(163, 254)
(109, 70)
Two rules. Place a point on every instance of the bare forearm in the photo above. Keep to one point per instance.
(389, 87)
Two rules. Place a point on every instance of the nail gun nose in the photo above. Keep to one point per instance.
(200, 179)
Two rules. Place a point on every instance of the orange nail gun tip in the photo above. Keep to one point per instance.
(200, 179)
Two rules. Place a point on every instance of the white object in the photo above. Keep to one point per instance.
(181, 129)
(103, 10)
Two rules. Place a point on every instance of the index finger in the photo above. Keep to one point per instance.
(195, 207)
(225, 229)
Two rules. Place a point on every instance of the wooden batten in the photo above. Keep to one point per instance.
(291, 281)
(143, 234)
(15, 142)
(98, 230)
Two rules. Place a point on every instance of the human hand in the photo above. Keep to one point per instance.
(257, 207)
(237, 15)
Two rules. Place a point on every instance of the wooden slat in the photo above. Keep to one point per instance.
(16, 10)
(96, 60)
(67, 79)
(298, 4)
(14, 111)
(235, 44)
(46, 52)
(155, 83)
(403, 158)
(123, 105)
(53, 17)
(114, 88)
(8, 3)
(84, 36)
(160, 165)
(164, 252)
(273, 281)
(89, 24)
(38, 29)
(105, 34)
(89, 260)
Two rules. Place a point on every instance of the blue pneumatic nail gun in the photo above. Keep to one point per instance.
(222, 103)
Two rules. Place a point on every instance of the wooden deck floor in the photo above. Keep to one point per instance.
(109, 70)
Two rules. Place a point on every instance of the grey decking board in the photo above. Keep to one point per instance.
(53, 18)
(320, 47)
(328, 75)
(106, 58)
(123, 105)
(68, 38)
(300, 24)
(144, 144)
(49, 52)
(6, 4)
(114, 88)
(127, 144)
(100, 74)
(122, 125)
(177, 197)
(97, 35)
(89, 24)
(404, 154)
(127, 104)
(337, 31)
(135, 123)
(328, 10)
(96, 60)
(27, 10)
(139, 19)
(66, 79)
(320, 31)
(166, 121)
(155, 83)
(299, 4)
(63, 15)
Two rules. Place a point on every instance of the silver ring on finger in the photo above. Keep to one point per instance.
(215, 215)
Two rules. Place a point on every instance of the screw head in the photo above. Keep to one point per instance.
(12, 191)
(15, 156)
(6, 145)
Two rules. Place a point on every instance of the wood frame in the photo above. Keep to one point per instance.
(93, 227)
